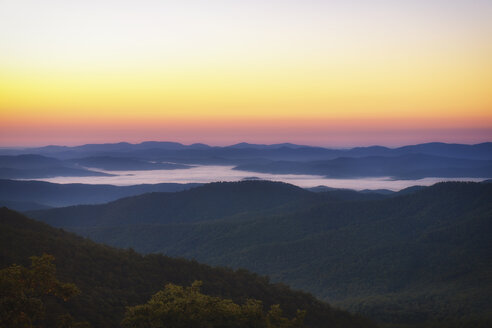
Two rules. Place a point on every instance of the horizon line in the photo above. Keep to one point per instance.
(240, 143)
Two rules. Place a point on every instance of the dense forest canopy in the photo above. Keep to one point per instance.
(182, 307)
(111, 279)
(25, 292)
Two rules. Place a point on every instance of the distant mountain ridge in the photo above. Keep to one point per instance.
(57, 195)
(438, 160)
(31, 166)
(408, 166)
(478, 151)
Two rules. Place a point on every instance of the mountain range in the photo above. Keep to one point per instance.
(283, 151)
(478, 151)
(409, 162)
(418, 257)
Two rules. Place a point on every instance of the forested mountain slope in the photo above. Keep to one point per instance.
(110, 279)
(414, 258)
(209, 202)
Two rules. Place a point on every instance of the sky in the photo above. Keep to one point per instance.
(332, 73)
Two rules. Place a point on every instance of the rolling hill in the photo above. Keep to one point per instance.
(409, 166)
(36, 166)
(209, 202)
(123, 164)
(56, 195)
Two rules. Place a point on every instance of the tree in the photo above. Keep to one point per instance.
(182, 307)
(24, 289)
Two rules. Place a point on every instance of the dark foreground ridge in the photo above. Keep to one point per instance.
(111, 279)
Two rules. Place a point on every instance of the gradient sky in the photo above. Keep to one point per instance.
(333, 73)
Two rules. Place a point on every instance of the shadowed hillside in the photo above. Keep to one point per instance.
(209, 202)
(55, 195)
(110, 279)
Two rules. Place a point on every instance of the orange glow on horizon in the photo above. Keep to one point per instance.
(323, 73)
(222, 131)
